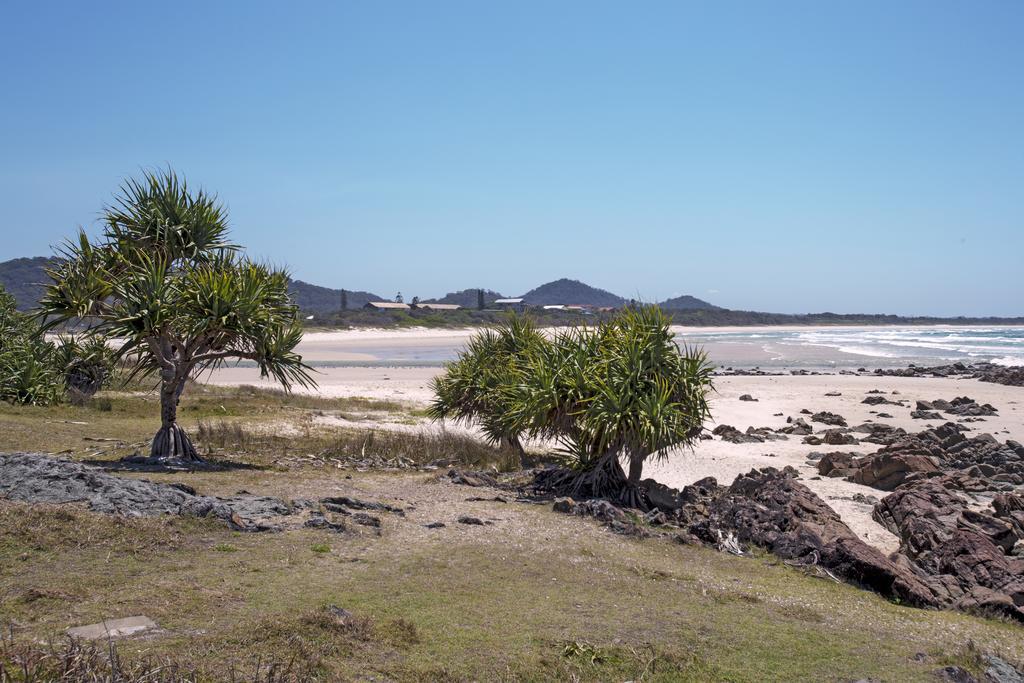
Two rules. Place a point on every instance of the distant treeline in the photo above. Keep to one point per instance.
(552, 318)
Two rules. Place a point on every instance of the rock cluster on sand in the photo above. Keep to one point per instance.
(951, 555)
(962, 406)
(970, 558)
(976, 464)
(752, 435)
(985, 372)
(964, 553)
(771, 509)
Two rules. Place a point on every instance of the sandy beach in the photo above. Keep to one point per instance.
(778, 397)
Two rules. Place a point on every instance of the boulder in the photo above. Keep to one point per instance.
(886, 471)
(838, 437)
(828, 418)
(796, 427)
(662, 497)
(837, 464)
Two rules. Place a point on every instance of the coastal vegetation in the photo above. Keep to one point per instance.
(619, 390)
(34, 370)
(533, 596)
(164, 281)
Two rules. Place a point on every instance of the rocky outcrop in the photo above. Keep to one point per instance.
(771, 509)
(985, 372)
(36, 478)
(962, 552)
(950, 555)
(980, 463)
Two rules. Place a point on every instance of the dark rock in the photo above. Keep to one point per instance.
(660, 496)
(876, 400)
(837, 464)
(366, 520)
(834, 393)
(733, 435)
(318, 521)
(435, 525)
(925, 414)
(771, 509)
(959, 552)
(955, 674)
(747, 397)
(472, 478)
(828, 418)
(796, 427)
(837, 437)
(356, 504)
(472, 521)
(886, 471)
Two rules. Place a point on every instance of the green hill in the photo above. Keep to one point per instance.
(317, 299)
(687, 303)
(572, 293)
(25, 279)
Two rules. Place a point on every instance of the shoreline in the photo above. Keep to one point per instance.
(778, 396)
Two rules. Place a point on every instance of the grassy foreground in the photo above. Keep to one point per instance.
(533, 596)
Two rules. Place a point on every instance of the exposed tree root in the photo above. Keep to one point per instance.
(173, 443)
(605, 479)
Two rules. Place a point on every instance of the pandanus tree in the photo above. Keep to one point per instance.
(622, 391)
(165, 284)
(472, 389)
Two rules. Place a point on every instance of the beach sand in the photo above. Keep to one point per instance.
(785, 394)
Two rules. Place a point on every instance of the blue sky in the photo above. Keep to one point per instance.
(782, 156)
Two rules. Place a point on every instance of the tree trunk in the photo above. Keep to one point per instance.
(636, 468)
(171, 442)
(515, 443)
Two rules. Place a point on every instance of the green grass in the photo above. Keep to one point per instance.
(536, 596)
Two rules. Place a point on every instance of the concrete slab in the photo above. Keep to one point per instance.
(113, 628)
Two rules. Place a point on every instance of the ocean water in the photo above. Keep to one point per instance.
(810, 347)
(868, 346)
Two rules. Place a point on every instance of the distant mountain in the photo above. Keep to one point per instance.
(687, 303)
(467, 298)
(571, 292)
(317, 299)
(25, 279)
